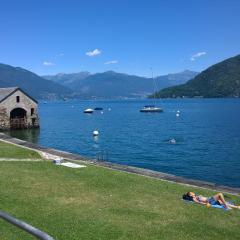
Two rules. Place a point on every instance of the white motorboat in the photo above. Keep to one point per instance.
(88, 110)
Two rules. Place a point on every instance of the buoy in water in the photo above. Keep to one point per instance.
(177, 115)
(178, 111)
(172, 141)
(95, 133)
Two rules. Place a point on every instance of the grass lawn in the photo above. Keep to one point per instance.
(12, 151)
(97, 203)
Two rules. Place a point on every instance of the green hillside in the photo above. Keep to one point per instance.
(31, 83)
(219, 80)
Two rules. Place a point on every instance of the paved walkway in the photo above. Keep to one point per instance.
(124, 168)
(20, 160)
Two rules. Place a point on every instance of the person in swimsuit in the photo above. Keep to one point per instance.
(217, 199)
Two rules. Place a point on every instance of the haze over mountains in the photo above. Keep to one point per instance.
(219, 80)
(111, 84)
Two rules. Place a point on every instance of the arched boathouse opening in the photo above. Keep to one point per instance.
(18, 118)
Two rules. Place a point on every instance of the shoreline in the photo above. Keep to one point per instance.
(124, 168)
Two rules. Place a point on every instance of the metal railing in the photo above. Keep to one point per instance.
(26, 227)
(103, 156)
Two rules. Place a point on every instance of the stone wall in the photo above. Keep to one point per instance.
(25, 103)
(4, 119)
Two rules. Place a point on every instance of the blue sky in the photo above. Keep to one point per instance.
(49, 37)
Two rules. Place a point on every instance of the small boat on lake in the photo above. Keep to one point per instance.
(151, 108)
(98, 108)
(88, 110)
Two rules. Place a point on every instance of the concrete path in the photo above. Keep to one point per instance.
(20, 160)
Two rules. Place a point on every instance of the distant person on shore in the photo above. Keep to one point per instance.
(217, 199)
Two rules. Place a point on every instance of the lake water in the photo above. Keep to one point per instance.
(207, 135)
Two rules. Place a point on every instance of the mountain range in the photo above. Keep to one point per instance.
(85, 85)
(219, 80)
(107, 85)
(111, 84)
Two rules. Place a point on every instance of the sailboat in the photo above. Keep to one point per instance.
(152, 108)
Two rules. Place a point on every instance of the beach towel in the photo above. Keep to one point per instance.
(212, 205)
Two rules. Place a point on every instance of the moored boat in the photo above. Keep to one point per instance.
(98, 108)
(88, 110)
(151, 108)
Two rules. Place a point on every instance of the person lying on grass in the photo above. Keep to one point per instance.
(217, 199)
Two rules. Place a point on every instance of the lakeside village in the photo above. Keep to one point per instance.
(79, 199)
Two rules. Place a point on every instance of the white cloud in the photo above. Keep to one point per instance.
(197, 55)
(111, 62)
(45, 63)
(93, 53)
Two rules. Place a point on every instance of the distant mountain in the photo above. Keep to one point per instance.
(112, 85)
(31, 83)
(67, 79)
(174, 79)
(117, 85)
(219, 80)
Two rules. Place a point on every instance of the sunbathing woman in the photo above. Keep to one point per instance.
(217, 199)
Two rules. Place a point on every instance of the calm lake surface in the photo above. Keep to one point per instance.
(207, 135)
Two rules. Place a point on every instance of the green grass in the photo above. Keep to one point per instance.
(98, 203)
(13, 151)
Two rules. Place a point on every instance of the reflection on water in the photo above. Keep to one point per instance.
(30, 135)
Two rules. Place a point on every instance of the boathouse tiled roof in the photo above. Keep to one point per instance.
(6, 92)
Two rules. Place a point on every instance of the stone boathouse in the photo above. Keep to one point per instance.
(17, 109)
